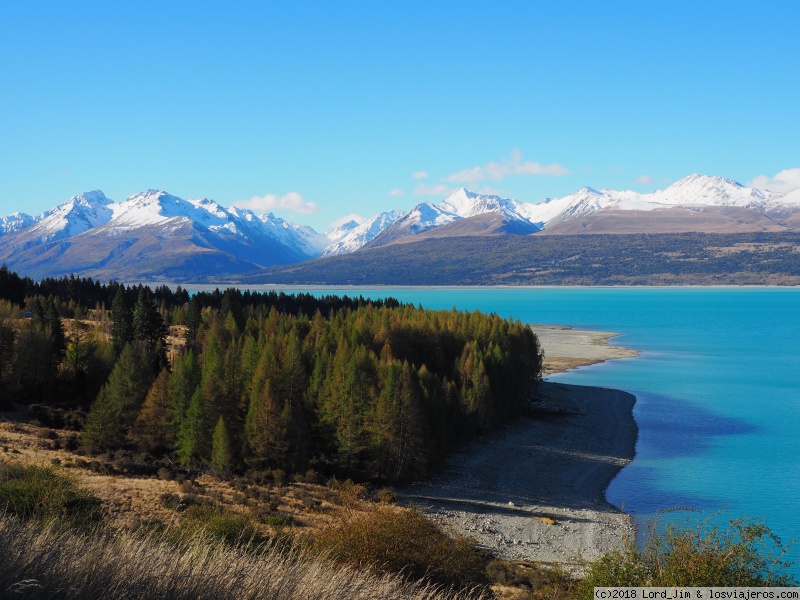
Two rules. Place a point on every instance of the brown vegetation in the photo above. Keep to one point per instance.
(53, 563)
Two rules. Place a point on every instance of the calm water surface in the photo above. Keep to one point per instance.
(717, 387)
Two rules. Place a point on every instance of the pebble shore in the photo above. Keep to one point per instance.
(534, 491)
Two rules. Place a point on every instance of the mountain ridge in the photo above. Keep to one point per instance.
(154, 233)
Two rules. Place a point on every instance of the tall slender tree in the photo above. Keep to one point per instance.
(113, 413)
(121, 320)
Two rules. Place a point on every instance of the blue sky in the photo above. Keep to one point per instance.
(316, 110)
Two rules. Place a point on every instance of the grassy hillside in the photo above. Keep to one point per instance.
(630, 259)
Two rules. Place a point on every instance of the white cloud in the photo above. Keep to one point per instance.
(645, 180)
(507, 167)
(293, 202)
(419, 175)
(346, 219)
(437, 189)
(784, 181)
(396, 192)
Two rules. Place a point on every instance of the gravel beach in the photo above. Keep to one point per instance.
(534, 491)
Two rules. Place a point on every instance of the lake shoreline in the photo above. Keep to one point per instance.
(535, 490)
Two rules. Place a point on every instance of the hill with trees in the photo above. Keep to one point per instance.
(361, 388)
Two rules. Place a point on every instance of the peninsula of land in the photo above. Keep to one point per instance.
(535, 490)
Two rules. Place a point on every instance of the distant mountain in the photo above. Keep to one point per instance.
(696, 203)
(351, 236)
(15, 222)
(151, 235)
(154, 235)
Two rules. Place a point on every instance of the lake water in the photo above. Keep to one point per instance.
(717, 387)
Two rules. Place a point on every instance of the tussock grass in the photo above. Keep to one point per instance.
(52, 562)
(42, 494)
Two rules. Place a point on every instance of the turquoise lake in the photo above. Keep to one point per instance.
(717, 387)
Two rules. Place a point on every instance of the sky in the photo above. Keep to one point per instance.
(322, 111)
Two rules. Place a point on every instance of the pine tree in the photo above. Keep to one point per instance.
(149, 328)
(192, 445)
(80, 348)
(121, 320)
(52, 323)
(152, 431)
(221, 449)
(114, 411)
(183, 382)
(192, 318)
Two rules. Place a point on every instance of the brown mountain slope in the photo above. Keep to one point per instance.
(673, 220)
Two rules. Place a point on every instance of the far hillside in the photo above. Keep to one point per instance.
(767, 258)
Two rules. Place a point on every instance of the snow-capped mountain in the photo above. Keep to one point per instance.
(301, 237)
(151, 234)
(351, 236)
(78, 214)
(462, 213)
(695, 203)
(15, 222)
(156, 235)
(421, 218)
(465, 204)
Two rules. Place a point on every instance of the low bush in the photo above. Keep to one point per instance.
(41, 494)
(386, 495)
(389, 540)
(532, 581)
(228, 527)
(744, 552)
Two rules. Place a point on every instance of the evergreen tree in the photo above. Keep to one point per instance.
(192, 318)
(80, 348)
(52, 324)
(212, 381)
(182, 383)
(221, 449)
(121, 320)
(152, 431)
(33, 373)
(149, 329)
(113, 413)
(7, 337)
(192, 445)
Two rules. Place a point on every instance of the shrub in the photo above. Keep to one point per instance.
(231, 528)
(536, 582)
(391, 540)
(743, 553)
(41, 494)
(386, 495)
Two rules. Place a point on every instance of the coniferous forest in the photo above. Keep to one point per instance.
(238, 381)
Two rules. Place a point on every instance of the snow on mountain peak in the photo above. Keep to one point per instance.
(15, 222)
(78, 214)
(706, 190)
(352, 235)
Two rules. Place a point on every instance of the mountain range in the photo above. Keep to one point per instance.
(156, 236)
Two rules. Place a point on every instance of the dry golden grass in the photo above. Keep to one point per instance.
(129, 501)
(53, 563)
(132, 503)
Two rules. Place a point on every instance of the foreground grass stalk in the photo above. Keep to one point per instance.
(50, 562)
